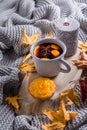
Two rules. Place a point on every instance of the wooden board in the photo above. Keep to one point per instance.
(29, 105)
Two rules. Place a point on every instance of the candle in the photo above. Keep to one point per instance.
(66, 23)
(67, 32)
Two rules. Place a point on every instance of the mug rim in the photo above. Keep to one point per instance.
(41, 41)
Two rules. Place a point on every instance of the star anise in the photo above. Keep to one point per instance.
(44, 51)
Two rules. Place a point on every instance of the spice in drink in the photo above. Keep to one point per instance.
(47, 51)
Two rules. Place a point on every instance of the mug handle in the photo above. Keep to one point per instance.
(66, 64)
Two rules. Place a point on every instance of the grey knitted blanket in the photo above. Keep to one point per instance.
(33, 16)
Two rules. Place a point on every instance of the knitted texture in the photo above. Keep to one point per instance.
(7, 117)
(9, 81)
(34, 16)
(24, 122)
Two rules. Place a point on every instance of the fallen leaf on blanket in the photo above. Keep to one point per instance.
(28, 40)
(68, 101)
(83, 47)
(26, 58)
(54, 126)
(63, 113)
(49, 35)
(70, 94)
(52, 115)
(27, 68)
(59, 118)
(72, 115)
(82, 62)
(13, 101)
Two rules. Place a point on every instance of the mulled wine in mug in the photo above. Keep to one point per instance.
(48, 56)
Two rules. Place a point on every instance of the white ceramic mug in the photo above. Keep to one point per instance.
(51, 67)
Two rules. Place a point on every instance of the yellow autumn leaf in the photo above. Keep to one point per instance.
(49, 35)
(54, 126)
(71, 94)
(28, 40)
(27, 68)
(63, 113)
(59, 118)
(13, 101)
(72, 115)
(26, 58)
(83, 47)
(68, 101)
(52, 115)
(34, 38)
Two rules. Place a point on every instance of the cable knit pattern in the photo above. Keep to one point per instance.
(12, 35)
(7, 117)
(25, 8)
(32, 122)
(34, 16)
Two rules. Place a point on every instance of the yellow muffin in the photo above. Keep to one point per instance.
(42, 88)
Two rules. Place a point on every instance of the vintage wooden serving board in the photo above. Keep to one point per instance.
(29, 105)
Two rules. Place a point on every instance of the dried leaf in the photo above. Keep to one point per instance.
(72, 115)
(49, 35)
(25, 38)
(13, 101)
(64, 115)
(60, 118)
(71, 94)
(68, 101)
(27, 68)
(52, 115)
(26, 58)
(83, 47)
(54, 126)
(82, 62)
(28, 40)
(34, 38)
